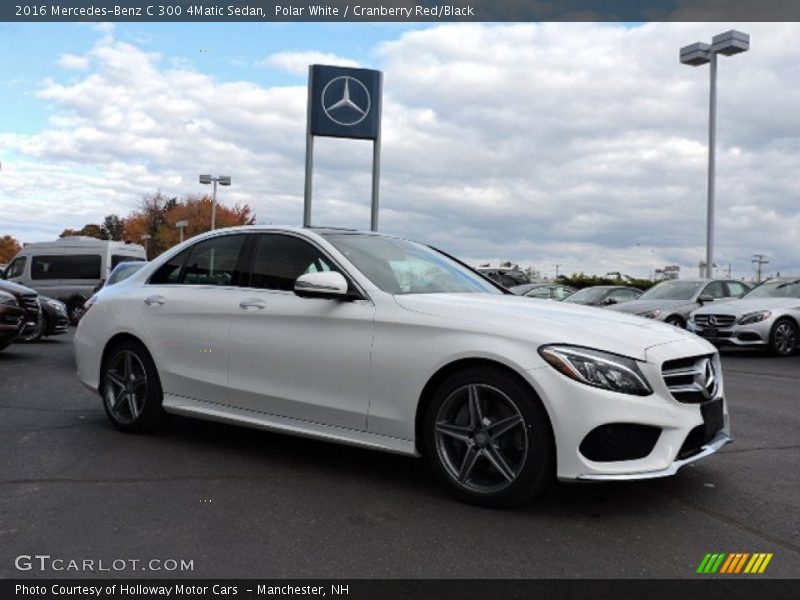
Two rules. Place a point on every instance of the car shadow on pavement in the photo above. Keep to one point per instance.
(391, 474)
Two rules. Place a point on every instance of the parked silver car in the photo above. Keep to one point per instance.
(768, 316)
(673, 301)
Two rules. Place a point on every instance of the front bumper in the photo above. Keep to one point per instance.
(577, 410)
(756, 334)
(718, 442)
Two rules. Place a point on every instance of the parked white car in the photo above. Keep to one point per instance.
(384, 343)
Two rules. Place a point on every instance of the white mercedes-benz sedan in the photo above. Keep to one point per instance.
(377, 341)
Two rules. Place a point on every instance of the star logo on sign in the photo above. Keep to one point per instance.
(346, 101)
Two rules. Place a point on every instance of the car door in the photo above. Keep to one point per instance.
(185, 317)
(303, 358)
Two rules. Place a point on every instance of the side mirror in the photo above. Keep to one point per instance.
(705, 298)
(610, 301)
(328, 284)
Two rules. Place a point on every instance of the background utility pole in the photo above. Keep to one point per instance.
(556, 266)
(759, 260)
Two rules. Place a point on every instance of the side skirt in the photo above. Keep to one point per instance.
(225, 413)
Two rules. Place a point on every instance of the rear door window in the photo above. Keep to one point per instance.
(213, 262)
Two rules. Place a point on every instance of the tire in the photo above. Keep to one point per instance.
(675, 321)
(75, 309)
(470, 455)
(132, 404)
(784, 338)
(38, 333)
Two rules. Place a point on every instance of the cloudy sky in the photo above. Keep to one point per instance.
(577, 144)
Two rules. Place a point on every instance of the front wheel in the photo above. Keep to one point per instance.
(75, 309)
(675, 321)
(783, 341)
(36, 334)
(131, 389)
(488, 438)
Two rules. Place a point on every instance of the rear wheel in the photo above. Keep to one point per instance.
(131, 389)
(783, 340)
(488, 438)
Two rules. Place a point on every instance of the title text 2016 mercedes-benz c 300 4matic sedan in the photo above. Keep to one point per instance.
(388, 344)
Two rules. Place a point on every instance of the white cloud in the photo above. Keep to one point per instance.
(577, 144)
(297, 62)
(73, 61)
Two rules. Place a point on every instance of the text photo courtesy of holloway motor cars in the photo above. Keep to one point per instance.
(372, 301)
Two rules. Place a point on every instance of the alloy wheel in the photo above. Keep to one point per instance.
(785, 338)
(481, 438)
(125, 386)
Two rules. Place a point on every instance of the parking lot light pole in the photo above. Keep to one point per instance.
(146, 239)
(181, 225)
(221, 180)
(728, 43)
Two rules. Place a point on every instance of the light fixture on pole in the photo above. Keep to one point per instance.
(728, 43)
(146, 238)
(221, 180)
(181, 225)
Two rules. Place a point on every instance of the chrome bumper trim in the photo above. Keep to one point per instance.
(718, 442)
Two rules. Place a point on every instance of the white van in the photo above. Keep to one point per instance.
(69, 268)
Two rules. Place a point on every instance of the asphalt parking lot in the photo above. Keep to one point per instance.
(245, 503)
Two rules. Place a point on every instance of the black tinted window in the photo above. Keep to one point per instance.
(213, 262)
(170, 271)
(280, 259)
(16, 268)
(74, 266)
(118, 258)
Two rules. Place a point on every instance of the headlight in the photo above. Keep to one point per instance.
(8, 300)
(651, 314)
(597, 368)
(56, 305)
(754, 317)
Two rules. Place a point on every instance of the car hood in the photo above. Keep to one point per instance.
(15, 288)
(747, 305)
(642, 306)
(545, 321)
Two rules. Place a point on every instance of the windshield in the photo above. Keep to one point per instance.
(672, 290)
(403, 267)
(776, 289)
(123, 271)
(587, 296)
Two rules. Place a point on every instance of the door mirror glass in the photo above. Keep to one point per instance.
(705, 298)
(325, 284)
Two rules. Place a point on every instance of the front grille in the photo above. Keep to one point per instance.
(30, 302)
(619, 441)
(691, 380)
(714, 320)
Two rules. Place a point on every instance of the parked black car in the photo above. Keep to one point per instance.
(604, 295)
(11, 318)
(53, 320)
(28, 300)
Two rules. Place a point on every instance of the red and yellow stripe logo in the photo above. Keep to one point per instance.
(735, 563)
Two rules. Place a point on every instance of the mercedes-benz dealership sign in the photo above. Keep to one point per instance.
(343, 102)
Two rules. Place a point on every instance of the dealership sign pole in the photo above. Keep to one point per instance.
(345, 103)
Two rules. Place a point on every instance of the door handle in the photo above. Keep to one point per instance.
(252, 303)
(155, 300)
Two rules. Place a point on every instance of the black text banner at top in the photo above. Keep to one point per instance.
(398, 10)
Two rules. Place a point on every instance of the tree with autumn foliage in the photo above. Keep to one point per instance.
(8, 248)
(158, 215)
